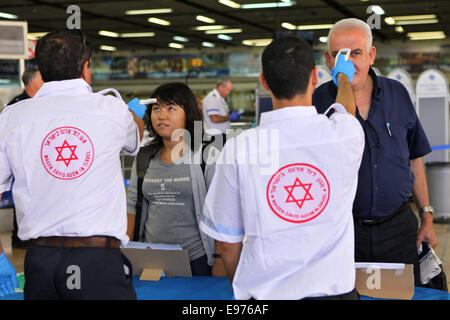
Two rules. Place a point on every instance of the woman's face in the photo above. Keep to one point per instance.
(166, 118)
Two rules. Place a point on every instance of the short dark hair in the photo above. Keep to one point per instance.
(28, 75)
(179, 94)
(60, 55)
(286, 65)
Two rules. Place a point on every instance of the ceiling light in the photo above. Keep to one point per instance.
(208, 44)
(148, 11)
(182, 39)
(203, 28)
(223, 31)
(8, 15)
(108, 48)
(205, 19)
(176, 45)
(288, 25)
(377, 9)
(230, 3)
(389, 20)
(399, 29)
(315, 27)
(267, 5)
(415, 17)
(323, 39)
(426, 35)
(257, 42)
(36, 35)
(224, 37)
(159, 21)
(108, 34)
(423, 21)
(137, 34)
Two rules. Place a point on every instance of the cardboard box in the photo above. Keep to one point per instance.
(150, 263)
(385, 280)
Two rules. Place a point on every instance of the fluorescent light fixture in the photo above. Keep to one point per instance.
(237, 30)
(4, 81)
(288, 26)
(230, 4)
(36, 35)
(159, 21)
(315, 27)
(137, 34)
(203, 28)
(181, 39)
(8, 15)
(224, 37)
(257, 42)
(109, 34)
(389, 20)
(426, 35)
(176, 45)
(377, 9)
(267, 5)
(205, 19)
(208, 44)
(423, 21)
(399, 29)
(108, 48)
(415, 17)
(148, 11)
(323, 39)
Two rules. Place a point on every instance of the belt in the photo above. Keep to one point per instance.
(375, 221)
(77, 242)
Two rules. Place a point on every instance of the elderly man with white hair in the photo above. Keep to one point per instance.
(386, 229)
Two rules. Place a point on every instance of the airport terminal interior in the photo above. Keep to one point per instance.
(140, 44)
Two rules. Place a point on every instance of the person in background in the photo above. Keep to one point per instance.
(174, 187)
(295, 215)
(32, 80)
(63, 149)
(386, 229)
(216, 114)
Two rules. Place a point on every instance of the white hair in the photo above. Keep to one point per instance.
(352, 23)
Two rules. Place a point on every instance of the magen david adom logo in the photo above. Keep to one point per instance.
(298, 193)
(67, 153)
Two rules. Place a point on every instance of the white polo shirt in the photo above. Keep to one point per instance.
(214, 104)
(288, 187)
(62, 146)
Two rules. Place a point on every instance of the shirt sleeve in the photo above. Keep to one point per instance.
(5, 168)
(132, 140)
(132, 190)
(222, 210)
(212, 106)
(418, 143)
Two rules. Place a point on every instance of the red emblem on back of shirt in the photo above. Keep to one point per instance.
(298, 192)
(67, 153)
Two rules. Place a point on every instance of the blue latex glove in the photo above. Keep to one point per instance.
(234, 116)
(8, 277)
(138, 108)
(343, 66)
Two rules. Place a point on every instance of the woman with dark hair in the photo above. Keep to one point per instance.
(170, 197)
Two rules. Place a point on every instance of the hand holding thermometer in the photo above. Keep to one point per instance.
(343, 65)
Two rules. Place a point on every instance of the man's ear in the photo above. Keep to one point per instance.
(314, 78)
(328, 59)
(372, 54)
(86, 72)
(263, 82)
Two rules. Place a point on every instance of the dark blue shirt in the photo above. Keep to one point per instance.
(385, 178)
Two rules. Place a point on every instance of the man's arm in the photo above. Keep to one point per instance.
(231, 252)
(345, 95)
(140, 123)
(420, 193)
(217, 119)
(131, 220)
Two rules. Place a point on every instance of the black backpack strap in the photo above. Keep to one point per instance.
(142, 163)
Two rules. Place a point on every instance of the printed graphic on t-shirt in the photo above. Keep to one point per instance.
(298, 192)
(161, 190)
(67, 153)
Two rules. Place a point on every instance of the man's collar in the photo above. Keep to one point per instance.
(286, 113)
(72, 87)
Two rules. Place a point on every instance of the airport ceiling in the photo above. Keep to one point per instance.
(110, 15)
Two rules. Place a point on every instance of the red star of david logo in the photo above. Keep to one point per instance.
(306, 196)
(72, 156)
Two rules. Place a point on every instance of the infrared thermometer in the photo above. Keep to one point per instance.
(345, 52)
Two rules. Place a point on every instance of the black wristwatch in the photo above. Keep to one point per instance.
(217, 255)
(429, 209)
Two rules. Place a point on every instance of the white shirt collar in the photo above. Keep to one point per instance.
(72, 87)
(287, 113)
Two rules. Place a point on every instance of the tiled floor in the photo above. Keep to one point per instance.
(17, 256)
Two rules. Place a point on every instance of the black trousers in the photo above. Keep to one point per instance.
(200, 266)
(392, 241)
(352, 295)
(77, 273)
